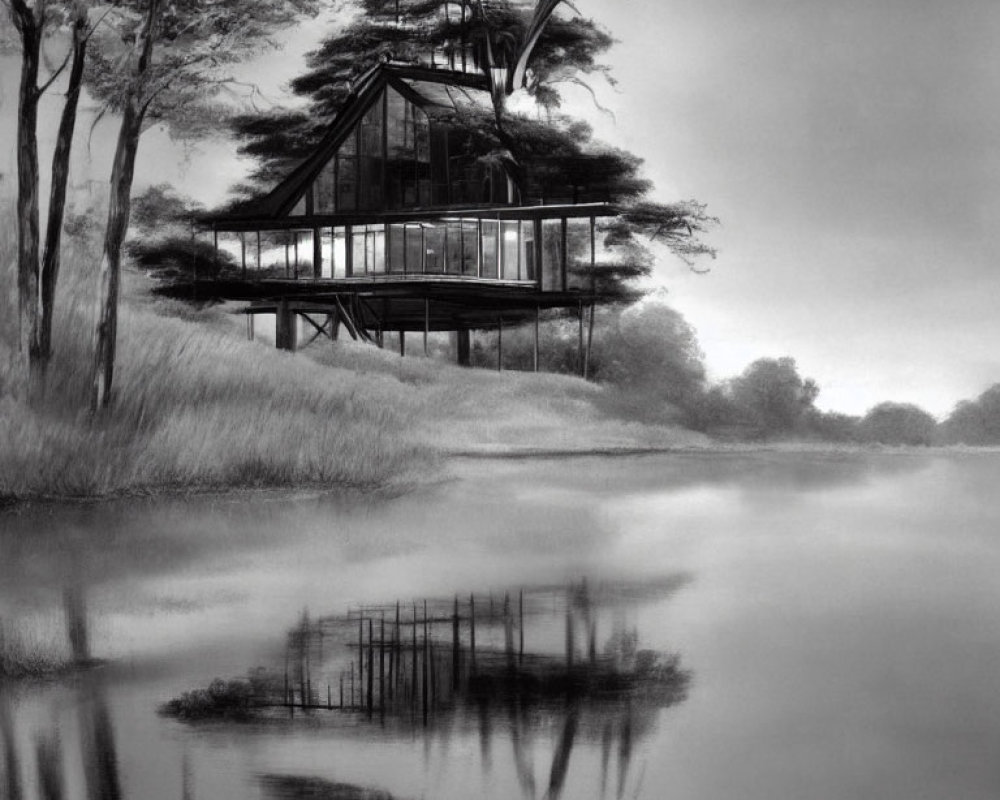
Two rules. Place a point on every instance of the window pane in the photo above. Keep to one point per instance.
(454, 246)
(508, 243)
(527, 251)
(339, 253)
(470, 247)
(551, 254)
(346, 183)
(358, 249)
(414, 248)
(490, 248)
(434, 248)
(396, 248)
(376, 238)
(324, 190)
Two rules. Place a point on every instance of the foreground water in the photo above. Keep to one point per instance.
(833, 622)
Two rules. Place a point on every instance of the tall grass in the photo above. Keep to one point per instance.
(198, 406)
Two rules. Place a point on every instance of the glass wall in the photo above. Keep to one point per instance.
(552, 254)
(491, 249)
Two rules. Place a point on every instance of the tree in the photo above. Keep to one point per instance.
(898, 423)
(976, 421)
(37, 277)
(772, 396)
(171, 69)
(520, 47)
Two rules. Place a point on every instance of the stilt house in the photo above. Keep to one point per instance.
(396, 224)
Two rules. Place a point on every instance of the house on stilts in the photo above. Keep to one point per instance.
(396, 225)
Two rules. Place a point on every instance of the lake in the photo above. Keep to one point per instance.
(755, 626)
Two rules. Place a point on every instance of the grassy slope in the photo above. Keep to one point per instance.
(198, 406)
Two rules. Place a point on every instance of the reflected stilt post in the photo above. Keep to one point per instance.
(454, 648)
(48, 755)
(472, 634)
(381, 665)
(100, 752)
(426, 666)
(371, 672)
(11, 761)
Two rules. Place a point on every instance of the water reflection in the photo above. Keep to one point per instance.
(35, 764)
(441, 666)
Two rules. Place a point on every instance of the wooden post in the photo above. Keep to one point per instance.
(463, 342)
(535, 355)
(342, 691)
(352, 684)
(215, 247)
(580, 348)
(402, 344)
(590, 341)
(427, 321)
(361, 653)
(563, 259)
(258, 251)
(499, 344)
(329, 697)
(285, 329)
(287, 261)
(296, 272)
(243, 254)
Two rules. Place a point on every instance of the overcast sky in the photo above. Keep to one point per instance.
(851, 151)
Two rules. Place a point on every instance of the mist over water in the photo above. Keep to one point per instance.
(830, 621)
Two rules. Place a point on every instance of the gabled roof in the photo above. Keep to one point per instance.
(427, 88)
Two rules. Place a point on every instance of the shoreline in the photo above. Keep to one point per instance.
(13, 504)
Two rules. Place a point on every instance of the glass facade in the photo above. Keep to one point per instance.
(395, 158)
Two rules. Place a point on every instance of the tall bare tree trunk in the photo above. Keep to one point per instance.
(60, 179)
(119, 207)
(30, 31)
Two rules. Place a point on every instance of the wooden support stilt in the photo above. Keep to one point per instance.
(341, 690)
(215, 248)
(258, 251)
(402, 344)
(288, 265)
(413, 663)
(285, 327)
(427, 322)
(464, 347)
(296, 273)
(499, 344)
(243, 254)
(580, 347)
(590, 341)
(535, 354)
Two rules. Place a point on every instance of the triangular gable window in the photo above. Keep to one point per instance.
(394, 158)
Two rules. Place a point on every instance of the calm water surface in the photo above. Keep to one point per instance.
(836, 621)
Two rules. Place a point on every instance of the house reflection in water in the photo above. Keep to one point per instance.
(438, 668)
